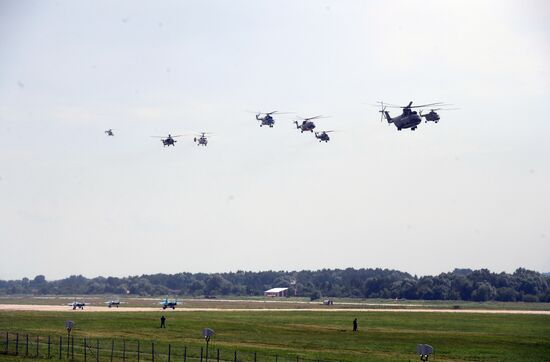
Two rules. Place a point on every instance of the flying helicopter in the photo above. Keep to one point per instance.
(267, 118)
(202, 139)
(407, 119)
(109, 132)
(166, 303)
(76, 304)
(307, 123)
(433, 115)
(323, 136)
(168, 141)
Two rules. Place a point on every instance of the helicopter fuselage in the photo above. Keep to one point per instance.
(409, 119)
(201, 141)
(432, 116)
(323, 136)
(305, 126)
(168, 142)
(267, 120)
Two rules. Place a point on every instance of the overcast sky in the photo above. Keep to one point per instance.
(471, 191)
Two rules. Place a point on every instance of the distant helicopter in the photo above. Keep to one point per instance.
(323, 136)
(168, 141)
(109, 132)
(202, 139)
(76, 304)
(166, 303)
(307, 123)
(408, 119)
(114, 302)
(433, 115)
(267, 119)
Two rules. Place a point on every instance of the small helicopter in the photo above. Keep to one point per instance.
(408, 119)
(433, 115)
(166, 303)
(202, 139)
(267, 119)
(168, 141)
(76, 304)
(109, 132)
(307, 123)
(323, 136)
(114, 302)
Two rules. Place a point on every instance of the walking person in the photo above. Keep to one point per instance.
(163, 322)
(355, 325)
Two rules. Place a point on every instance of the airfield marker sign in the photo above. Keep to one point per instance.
(207, 333)
(424, 351)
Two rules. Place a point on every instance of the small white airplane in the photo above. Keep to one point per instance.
(166, 303)
(79, 305)
(114, 302)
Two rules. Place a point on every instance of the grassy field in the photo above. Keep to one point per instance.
(383, 336)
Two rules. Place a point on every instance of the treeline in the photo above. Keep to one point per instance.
(461, 284)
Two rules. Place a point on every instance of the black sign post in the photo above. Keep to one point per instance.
(69, 326)
(207, 333)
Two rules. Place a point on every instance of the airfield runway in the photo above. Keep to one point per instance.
(62, 308)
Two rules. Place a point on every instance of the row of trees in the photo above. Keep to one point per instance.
(461, 284)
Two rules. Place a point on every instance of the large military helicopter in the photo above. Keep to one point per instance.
(307, 123)
(408, 119)
(114, 302)
(77, 304)
(166, 303)
(201, 140)
(433, 115)
(109, 132)
(168, 141)
(267, 119)
(323, 136)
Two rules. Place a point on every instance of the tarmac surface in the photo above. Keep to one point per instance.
(92, 308)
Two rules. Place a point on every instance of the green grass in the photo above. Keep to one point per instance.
(383, 336)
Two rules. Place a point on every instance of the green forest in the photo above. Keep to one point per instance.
(460, 284)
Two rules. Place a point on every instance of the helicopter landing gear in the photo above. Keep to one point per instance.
(412, 129)
(399, 129)
(270, 126)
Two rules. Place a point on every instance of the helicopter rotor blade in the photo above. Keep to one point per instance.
(387, 104)
(278, 113)
(316, 117)
(424, 105)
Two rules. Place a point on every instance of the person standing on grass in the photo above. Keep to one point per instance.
(355, 325)
(163, 322)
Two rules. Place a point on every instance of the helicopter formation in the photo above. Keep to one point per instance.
(409, 118)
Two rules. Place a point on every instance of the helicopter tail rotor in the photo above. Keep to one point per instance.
(384, 113)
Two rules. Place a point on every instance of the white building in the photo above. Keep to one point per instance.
(276, 292)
